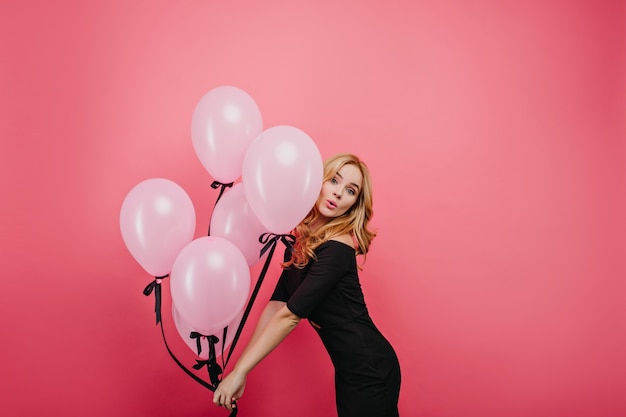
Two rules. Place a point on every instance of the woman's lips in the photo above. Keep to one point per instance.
(331, 204)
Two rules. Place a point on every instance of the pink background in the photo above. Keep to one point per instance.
(496, 137)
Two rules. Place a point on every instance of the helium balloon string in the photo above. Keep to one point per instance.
(156, 287)
(222, 186)
(270, 240)
(224, 333)
(210, 387)
(224, 344)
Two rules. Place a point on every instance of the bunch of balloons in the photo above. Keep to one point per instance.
(280, 173)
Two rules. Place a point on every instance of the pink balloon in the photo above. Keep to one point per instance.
(224, 123)
(282, 176)
(184, 330)
(234, 220)
(157, 220)
(210, 281)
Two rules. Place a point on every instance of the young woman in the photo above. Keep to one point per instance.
(320, 283)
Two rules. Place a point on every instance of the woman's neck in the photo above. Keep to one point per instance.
(315, 225)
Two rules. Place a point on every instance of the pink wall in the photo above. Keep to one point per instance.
(495, 134)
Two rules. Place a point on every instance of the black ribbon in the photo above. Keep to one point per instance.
(270, 240)
(156, 287)
(215, 185)
(214, 368)
(210, 387)
(198, 337)
(211, 363)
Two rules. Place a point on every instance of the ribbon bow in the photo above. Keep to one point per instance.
(211, 363)
(156, 287)
(270, 240)
(216, 184)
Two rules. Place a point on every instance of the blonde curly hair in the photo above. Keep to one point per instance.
(354, 221)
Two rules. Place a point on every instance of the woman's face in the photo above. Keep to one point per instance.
(340, 192)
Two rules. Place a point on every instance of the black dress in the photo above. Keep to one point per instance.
(328, 293)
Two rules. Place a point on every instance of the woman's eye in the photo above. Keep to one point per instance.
(334, 180)
(351, 191)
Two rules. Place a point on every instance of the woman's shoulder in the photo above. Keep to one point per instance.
(345, 240)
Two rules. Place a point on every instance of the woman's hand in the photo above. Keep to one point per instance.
(230, 390)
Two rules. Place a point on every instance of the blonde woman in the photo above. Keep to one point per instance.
(320, 283)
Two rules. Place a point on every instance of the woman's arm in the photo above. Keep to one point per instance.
(268, 312)
(263, 341)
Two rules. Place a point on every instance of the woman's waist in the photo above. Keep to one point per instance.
(350, 336)
(336, 321)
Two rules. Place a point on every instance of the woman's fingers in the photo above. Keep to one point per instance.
(230, 405)
(219, 398)
(220, 401)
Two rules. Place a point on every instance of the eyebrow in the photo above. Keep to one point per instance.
(352, 183)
